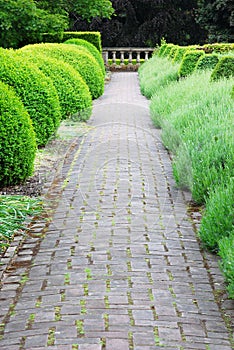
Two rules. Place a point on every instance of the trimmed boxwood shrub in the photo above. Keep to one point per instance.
(162, 49)
(36, 91)
(73, 92)
(224, 68)
(167, 50)
(208, 61)
(189, 62)
(91, 48)
(92, 37)
(221, 48)
(17, 138)
(79, 59)
(178, 56)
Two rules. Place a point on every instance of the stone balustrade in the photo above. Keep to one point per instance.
(125, 56)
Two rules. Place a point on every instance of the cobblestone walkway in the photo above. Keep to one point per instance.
(119, 266)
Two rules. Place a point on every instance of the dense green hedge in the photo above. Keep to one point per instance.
(92, 37)
(91, 48)
(208, 61)
(79, 59)
(221, 48)
(73, 93)
(224, 68)
(17, 138)
(36, 91)
(189, 62)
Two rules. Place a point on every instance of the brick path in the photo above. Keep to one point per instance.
(119, 267)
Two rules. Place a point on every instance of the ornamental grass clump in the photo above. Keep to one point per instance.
(79, 59)
(156, 72)
(218, 219)
(226, 251)
(195, 127)
(74, 96)
(17, 139)
(91, 48)
(14, 213)
(35, 90)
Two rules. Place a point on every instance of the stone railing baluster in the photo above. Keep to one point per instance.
(122, 52)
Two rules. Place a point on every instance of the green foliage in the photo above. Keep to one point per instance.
(17, 139)
(221, 48)
(178, 56)
(36, 91)
(207, 61)
(73, 93)
(14, 211)
(91, 48)
(196, 117)
(151, 77)
(22, 21)
(226, 251)
(162, 49)
(167, 50)
(173, 52)
(92, 37)
(224, 68)
(79, 59)
(195, 124)
(218, 219)
(189, 62)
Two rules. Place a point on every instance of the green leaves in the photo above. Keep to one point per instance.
(13, 212)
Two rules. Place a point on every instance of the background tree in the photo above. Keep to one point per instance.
(25, 21)
(217, 17)
(145, 22)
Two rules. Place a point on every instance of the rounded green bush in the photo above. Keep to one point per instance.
(36, 91)
(73, 92)
(207, 61)
(17, 138)
(189, 62)
(224, 68)
(78, 58)
(91, 48)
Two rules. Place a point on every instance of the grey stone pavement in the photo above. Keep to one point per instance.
(119, 266)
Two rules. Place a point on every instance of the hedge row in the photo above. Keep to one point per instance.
(40, 85)
(195, 57)
(196, 117)
(92, 37)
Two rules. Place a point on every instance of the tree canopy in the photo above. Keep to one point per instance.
(25, 21)
(145, 22)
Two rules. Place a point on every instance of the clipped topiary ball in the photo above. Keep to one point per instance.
(224, 68)
(207, 61)
(35, 90)
(79, 59)
(73, 92)
(91, 48)
(189, 62)
(17, 139)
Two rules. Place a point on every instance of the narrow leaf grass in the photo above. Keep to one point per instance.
(14, 210)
